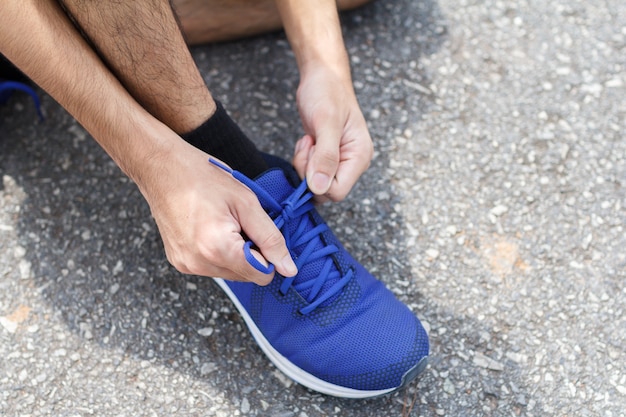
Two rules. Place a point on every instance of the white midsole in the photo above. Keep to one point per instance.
(287, 367)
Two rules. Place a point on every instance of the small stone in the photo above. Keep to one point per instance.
(191, 286)
(22, 375)
(451, 230)
(19, 252)
(282, 378)
(113, 289)
(593, 89)
(8, 325)
(448, 387)
(516, 357)
(486, 362)
(60, 352)
(206, 332)
(432, 253)
(24, 267)
(245, 406)
(85, 328)
(119, 267)
(499, 210)
(613, 83)
(208, 368)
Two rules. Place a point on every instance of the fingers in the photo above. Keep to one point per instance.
(324, 159)
(354, 160)
(301, 155)
(202, 226)
(261, 230)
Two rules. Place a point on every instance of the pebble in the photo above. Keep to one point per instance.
(60, 352)
(119, 267)
(448, 386)
(24, 267)
(486, 362)
(499, 210)
(22, 375)
(19, 252)
(286, 381)
(245, 405)
(208, 368)
(8, 325)
(206, 331)
(113, 289)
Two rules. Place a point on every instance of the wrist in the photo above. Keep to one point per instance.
(336, 63)
(314, 33)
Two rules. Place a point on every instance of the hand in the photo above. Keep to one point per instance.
(201, 212)
(337, 147)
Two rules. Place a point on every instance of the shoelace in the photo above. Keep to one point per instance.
(295, 208)
(7, 87)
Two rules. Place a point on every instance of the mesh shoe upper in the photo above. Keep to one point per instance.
(334, 320)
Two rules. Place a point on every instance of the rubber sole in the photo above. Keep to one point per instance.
(304, 378)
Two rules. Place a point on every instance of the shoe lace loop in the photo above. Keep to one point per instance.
(296, 208)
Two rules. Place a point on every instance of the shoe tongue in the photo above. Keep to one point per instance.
(278, 186)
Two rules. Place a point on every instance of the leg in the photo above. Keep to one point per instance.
(141, 42)
(205, 21)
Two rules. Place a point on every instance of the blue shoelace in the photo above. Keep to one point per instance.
(8, 87)
(295, 208)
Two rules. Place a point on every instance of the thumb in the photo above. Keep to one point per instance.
(323, 164)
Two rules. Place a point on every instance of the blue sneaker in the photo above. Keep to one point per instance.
(333, 328)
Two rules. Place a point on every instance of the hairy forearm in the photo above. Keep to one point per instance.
(314, 33)
(58, 59)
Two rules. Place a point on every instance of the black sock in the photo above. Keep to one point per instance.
(220, 137)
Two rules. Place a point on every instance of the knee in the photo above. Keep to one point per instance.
(351, 4)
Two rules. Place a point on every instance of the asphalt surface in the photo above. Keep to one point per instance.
(495, 208)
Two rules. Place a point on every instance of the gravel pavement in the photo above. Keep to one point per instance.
(495, 207)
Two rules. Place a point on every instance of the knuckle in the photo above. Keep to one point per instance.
(210, 253)
(272, 241)
(178, 263)
(328, 156)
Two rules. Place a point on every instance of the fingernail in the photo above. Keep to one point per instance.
(321, 182)
(298, 146)
(289, 266)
